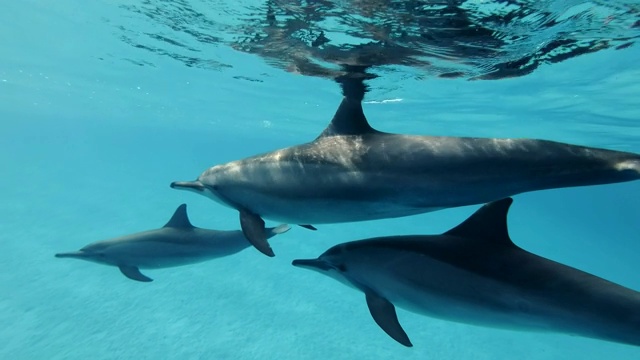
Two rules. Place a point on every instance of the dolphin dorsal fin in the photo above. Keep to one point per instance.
(348, 120)
(179, 218)
(487, 223)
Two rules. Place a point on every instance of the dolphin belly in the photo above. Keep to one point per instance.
(155, 255)
(440, 290)
(160, 254)
(327, 210)
(547, 296)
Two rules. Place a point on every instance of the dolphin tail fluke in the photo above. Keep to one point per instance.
(384, 314)
(133, 273)
(280, 229)
(254, 230)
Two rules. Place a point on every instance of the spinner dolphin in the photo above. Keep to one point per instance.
(176, 243)
(353, 172)
(475, 274)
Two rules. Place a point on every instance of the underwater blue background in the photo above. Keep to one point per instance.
(89, 143)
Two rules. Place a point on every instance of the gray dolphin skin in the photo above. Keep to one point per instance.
(175, 244)
(475, 274)
(352, 172)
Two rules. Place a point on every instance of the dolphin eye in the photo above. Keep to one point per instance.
(341, 267)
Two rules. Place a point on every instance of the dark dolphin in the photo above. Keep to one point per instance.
(175, 244)
(352, 172)
(475, 274)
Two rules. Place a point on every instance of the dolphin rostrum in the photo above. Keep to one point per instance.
(475, 274)
(175, 244)
(353, 172)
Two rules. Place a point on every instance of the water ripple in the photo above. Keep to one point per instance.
(489, 39)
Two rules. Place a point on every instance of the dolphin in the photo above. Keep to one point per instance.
(175, 244)
(353, 172)
(475, 274)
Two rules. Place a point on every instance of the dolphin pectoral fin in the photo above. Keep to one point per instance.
(133, 273)
(384, 314)
(254, 230)
(307, 226)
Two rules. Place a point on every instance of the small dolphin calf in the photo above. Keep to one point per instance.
(474, 274)
(352, 172)
(175, 244)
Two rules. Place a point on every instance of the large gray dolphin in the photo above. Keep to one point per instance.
(175, 244)
(475, 274)
(352, 172)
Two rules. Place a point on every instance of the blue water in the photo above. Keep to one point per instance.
(90, 142)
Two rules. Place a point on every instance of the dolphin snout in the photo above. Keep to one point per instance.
(312, 264)
(72, 254)
(188, 185)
